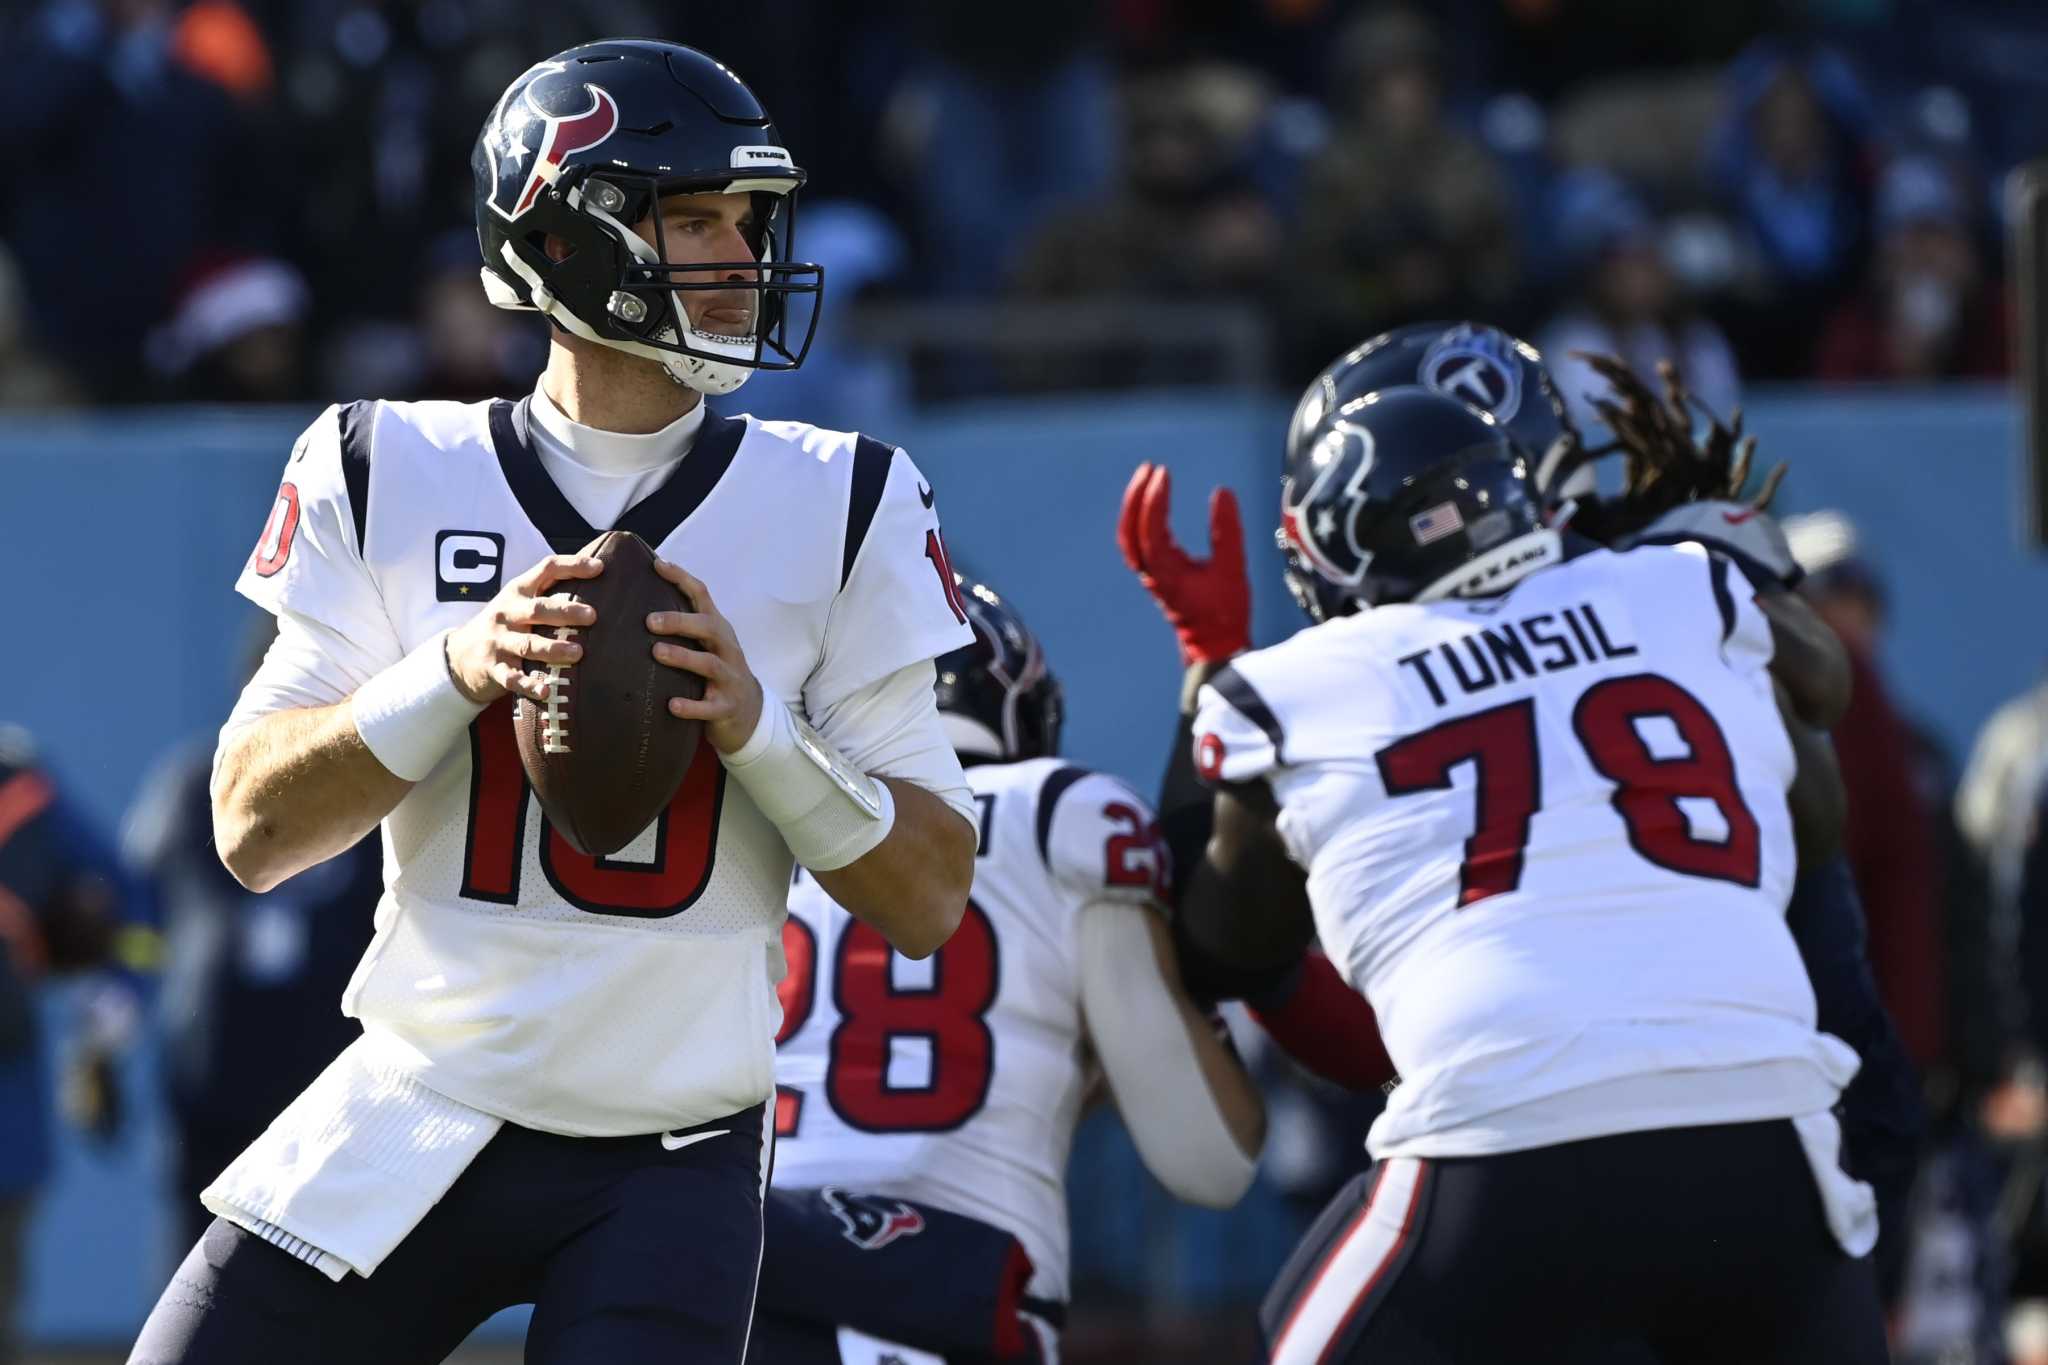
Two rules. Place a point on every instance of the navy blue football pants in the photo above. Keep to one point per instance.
(631, 1253)
(1684, 1246)
(898, 1271)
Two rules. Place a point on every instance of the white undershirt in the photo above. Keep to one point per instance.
(602, 473)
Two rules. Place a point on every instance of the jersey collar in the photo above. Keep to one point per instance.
(652, 518)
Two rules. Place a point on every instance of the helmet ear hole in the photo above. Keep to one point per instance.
(550, 247)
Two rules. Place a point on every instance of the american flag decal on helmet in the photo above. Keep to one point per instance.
(1436, 522)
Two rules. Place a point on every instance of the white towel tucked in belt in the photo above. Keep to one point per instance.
(1850, 1205)
(352, 1165)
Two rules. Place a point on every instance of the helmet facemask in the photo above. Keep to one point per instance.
(632, 297)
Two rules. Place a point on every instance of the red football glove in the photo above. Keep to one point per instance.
(1208, 602)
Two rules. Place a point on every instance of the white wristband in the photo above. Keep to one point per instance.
(829, 811)
(410, 714)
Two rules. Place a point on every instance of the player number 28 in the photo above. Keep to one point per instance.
(951, 1015)
(1500, 743)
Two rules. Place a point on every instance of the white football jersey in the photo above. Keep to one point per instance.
(1546, 835)
(957, 1080)
(580, 995)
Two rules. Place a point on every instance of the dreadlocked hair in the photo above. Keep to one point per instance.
(1664, 464)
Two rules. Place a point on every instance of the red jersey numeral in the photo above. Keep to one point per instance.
(274, 546)
(1500, 743)
(685, 839)
(1648, 788)
(950, 1015)
(1137, 855)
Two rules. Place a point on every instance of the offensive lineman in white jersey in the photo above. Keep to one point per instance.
(560, 1093)
(925, 1111)
(1539, 791)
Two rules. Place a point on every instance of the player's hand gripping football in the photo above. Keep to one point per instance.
(487, 653)
(1208, 602)
(707, 646)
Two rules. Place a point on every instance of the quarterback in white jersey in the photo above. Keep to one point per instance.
(956, 1084)
(1538, 793)
(565, 1056)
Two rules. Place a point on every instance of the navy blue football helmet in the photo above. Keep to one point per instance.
(997, 697)
(1477, 364)
(582, 147)
(1408, 495)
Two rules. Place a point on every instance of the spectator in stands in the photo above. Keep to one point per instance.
(468, 349)
(1005, 122)
(1793, 159)
(123, 164)
(1930, 310)
(251, 1000)
(237, 335)
(1890, 836)
(1404, 217)
(63, 901)
(1181, 223)
(27, 379)
(2001, 783)
(1625, 301)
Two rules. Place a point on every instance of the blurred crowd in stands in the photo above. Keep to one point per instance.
(227, 200)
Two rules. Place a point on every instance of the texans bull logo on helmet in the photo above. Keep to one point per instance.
(1320, 522)
(534, 131)
(872, 1223)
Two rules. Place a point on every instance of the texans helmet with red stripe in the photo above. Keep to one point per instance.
(582, 147)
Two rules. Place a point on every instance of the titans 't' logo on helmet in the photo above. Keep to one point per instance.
(1476, 364)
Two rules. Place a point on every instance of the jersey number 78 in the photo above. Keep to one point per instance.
(1500, 743)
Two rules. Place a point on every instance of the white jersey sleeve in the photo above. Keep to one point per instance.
(891, 728)
(1746, 641)
(1101, 840)
(309, 559)
(1236, 737)
(898, 605)
(307, 665)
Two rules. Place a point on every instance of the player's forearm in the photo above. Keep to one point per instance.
(293, 789)
(1193, 1112)
(1818, 798)
(1808, 660)
(1244, 921)
(913, 885)
(1184, 814)
(1230, 1086)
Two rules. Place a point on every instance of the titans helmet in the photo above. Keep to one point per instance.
(585, 145)
(1481, 365)
(1408, 495)
(997, 699)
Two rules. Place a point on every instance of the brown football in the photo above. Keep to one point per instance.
(603, 753)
